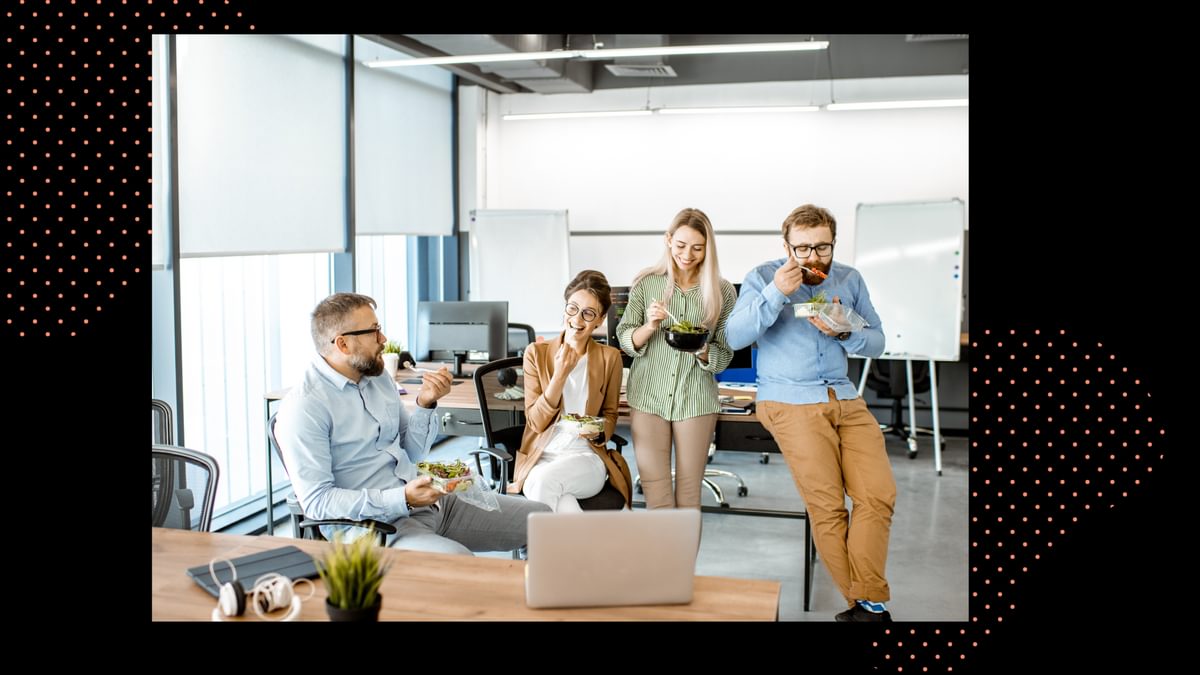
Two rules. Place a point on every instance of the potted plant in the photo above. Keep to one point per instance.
(352, 573)
(392, 351)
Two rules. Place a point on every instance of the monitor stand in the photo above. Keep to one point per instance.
(459, 358)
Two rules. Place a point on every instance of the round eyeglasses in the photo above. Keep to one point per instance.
(588, 313)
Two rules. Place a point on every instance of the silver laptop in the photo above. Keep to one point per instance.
(612, 558)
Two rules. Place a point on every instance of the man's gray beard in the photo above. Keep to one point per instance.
(367, 366)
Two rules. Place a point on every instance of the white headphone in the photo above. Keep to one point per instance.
(271, 591)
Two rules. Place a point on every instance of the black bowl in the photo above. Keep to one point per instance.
(687, 342)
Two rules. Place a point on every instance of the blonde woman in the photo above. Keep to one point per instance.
(673, 394)
(572, 374)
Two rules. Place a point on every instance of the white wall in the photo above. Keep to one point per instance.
(746, 171)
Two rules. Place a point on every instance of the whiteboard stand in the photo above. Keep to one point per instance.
(913, 429)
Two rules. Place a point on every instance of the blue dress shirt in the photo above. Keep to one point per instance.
(350, 448)
(796, 362)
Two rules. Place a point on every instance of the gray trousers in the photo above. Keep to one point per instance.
(457, 527)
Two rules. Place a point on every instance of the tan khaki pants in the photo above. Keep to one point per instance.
(836, 449)
(652, 437)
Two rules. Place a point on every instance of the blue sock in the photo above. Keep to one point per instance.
(875, 607)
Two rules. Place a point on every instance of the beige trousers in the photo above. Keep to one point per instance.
(836, 449)
(652, 436)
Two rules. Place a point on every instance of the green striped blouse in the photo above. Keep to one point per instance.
(672, 384)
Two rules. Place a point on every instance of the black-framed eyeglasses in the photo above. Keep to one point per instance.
(365, 331)
(803, 250)
(588, 313)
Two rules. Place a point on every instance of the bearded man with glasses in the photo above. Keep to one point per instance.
(351, 447)
(830, 440)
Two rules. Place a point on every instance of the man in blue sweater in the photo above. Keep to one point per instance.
(829, 439)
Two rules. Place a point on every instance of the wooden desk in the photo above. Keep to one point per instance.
(434, 586)
(459, 415)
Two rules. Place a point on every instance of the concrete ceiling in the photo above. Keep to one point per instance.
(848, 56)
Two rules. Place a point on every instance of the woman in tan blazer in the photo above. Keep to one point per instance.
(572, 374)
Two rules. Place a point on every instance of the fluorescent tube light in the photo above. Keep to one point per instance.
(739, 109)
(884, 105)
(563, 115)
(681, 50)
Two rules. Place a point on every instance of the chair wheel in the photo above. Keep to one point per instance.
(912, 454)
(639, 488)
(709, 460)
(724, 505)
(743, 491)
(765, 459)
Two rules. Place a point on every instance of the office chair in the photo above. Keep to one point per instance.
(177, 474)
(310, 528)
(161, 425)
(889, 380)
(513, 414)
(520, 336)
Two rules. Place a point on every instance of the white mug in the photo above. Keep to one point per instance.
(391, 363)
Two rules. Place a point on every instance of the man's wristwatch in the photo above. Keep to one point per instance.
(843, 335)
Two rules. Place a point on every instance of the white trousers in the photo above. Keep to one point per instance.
(560, 482)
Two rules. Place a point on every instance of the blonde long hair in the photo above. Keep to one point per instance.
(710, 270)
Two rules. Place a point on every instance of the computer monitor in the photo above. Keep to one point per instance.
(461, 331)
(744, 357)
(619, 298)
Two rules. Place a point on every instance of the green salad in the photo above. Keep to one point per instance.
(447, 476)
(818, 299)
(687, 327)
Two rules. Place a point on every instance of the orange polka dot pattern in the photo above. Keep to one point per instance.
(77, 142)
(1061, 430)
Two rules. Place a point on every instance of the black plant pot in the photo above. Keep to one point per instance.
(362, 614)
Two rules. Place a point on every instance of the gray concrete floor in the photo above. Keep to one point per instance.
(927, 560)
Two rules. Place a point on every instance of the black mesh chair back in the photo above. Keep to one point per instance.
(184, 488)
(162, 426)
(504, 424)
(308, 528)
(520, 336)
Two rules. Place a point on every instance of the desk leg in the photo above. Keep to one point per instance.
(808, 563)
(937, 427)
(270, 479)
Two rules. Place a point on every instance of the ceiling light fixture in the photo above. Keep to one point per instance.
(564, 115)
(680, 50)
(885, 105)
(740, 109)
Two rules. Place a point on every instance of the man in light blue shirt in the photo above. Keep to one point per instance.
(351, 448)
(829, 439)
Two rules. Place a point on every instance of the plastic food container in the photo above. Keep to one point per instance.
(837, 316)
(448, 476)
(581, 424)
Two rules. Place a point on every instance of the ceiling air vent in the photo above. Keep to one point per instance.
(634, 70)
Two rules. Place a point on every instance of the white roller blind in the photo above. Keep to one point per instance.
(402, 146)
(158, 146)
(261, 145)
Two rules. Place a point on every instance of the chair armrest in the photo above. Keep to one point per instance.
(499, 453)
(618, 441)
(381, 528)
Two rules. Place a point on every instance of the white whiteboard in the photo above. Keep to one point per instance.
(911, 256)
(521, 256)
(620, 256)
